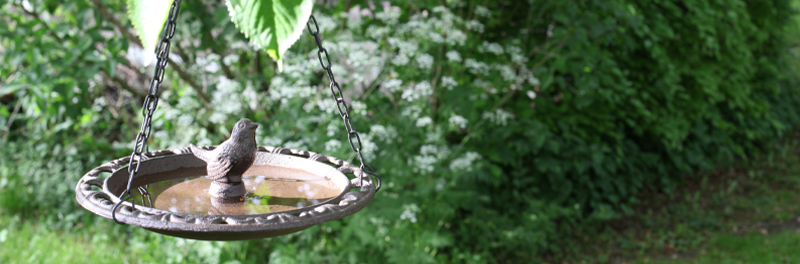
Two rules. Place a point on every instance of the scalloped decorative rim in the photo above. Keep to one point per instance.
(226, 227)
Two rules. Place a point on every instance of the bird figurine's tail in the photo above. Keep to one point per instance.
(199, 153)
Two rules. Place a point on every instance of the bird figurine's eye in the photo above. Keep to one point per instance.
(241, 125)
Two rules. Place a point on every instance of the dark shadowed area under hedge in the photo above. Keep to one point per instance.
(499, 127)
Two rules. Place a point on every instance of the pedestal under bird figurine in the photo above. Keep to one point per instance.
(230, 160)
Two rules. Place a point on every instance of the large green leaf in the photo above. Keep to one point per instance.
(147, 17)
(274, 25)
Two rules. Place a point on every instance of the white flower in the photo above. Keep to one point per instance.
(376, 32)
(300, 144)
(424, 121)
(411, 111)
(309, 106)
(186, 102)
(392, 85)
(433, 136)
(217, 117)
(368, 148)
(449, 82)
(354, 20)
(476, 67)
(400, 60)
(333, 126)
(230, 59)
(482, 11)
(499, 117)
(204, 142)
(459, 121)
(532, 95)
(456, 37)
(270, 141)
(250, 96)
(358, 58)
(533, 81)
(290, 90)
(474, 25)
(325, 22)
(357, 108)
(380, 223)
(440, 9)
(317, 118)
(332, 145)
(516, 55)
(453, 56)
(405, 47)
(410, 212)
(440, 184)
(384, 134)
(436, 37)
(390, 17)
(493, 48)
(227, 97)
(507, 73)
(420, 90)
(328, 105)
(425, 61)
(185, 120)
(428, 150)
(518, 58)
(424, 163)
(464, 163)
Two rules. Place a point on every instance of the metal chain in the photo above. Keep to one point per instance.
(336, 91)
(149, 106)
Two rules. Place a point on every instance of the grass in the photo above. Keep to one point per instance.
(749, 213)
(24, 242)
(782, 247)
(103, 242)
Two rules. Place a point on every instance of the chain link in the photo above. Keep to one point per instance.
(148, 108)
(341, 105)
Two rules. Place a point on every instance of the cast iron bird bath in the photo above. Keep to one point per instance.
(288, 190)
(290, 164)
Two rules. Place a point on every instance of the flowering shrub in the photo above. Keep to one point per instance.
(497, 127)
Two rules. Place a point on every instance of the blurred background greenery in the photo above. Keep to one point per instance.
(501, 129)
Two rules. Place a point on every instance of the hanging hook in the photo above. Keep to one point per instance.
(121, 200)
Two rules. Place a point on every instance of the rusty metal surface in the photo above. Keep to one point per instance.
(220, 227)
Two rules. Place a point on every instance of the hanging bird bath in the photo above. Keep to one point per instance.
(285, 190)
(309, 188)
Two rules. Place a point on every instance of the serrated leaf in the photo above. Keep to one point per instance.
(273, 25)
(148, 17)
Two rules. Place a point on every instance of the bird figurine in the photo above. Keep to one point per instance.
(227, 162)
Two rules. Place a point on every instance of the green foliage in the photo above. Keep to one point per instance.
(497, 127)
(148, 19)
(273, 25)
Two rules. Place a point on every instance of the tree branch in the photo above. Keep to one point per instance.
(177, 67)
(181, 52)
(124, 85)
(189, 79)
(10, 121)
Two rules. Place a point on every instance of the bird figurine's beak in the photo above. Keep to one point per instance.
(254, 126)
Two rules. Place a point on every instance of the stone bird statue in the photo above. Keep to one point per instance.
(230, 160)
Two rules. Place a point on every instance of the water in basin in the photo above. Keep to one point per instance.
(269, 190)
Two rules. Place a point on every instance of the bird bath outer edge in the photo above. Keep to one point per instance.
(222, 227)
